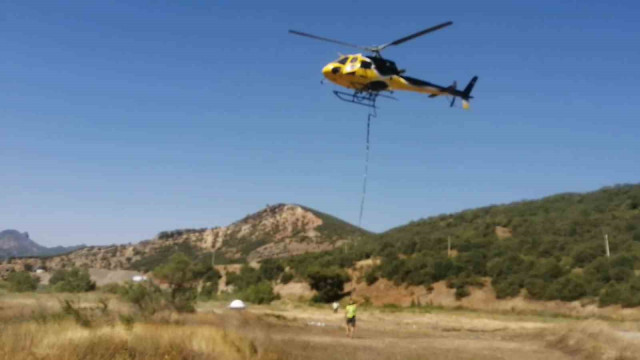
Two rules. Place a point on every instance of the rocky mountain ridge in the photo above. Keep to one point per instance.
(276, 231)
(17, 244)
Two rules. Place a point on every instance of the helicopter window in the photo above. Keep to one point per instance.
(365, 65)
(385, 67)
(342, 60)
(354, 59)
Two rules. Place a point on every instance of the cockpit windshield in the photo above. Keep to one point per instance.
(342, 60)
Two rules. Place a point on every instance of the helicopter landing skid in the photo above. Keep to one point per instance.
(364, 98)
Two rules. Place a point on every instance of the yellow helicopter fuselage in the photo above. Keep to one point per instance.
(357, 72)
(366, 74)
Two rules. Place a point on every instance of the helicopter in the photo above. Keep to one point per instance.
(369, 76)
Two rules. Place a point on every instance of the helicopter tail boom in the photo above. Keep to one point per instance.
(466, 93)
(467, 90)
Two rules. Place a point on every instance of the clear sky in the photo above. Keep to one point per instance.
(120, 119)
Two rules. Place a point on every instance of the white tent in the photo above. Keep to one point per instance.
(139, 278)
(237, 305)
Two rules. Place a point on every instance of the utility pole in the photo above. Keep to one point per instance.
(606, 244)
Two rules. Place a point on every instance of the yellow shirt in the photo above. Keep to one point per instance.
(351, 311)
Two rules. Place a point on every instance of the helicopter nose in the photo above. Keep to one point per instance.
(330, 69)
(327, 70)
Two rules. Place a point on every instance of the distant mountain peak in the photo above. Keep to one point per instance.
(281, 230)
(278, 230)
(19, 244)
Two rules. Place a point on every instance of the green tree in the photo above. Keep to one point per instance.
(270, 269)
(286, 277)
(329, 283)
(568, 288)
(146, 297)
(180, 274)
(246, 277)
(22, 281)
(260, 293)
(73, 280)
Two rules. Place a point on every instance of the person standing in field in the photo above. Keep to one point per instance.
(350, 312)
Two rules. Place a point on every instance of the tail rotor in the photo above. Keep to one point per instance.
(466, 93)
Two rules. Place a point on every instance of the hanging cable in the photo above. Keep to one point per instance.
(366, 167)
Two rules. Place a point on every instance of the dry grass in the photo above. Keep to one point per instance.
(34, 326)
(48, 328)
(68, 340)
(594, 340)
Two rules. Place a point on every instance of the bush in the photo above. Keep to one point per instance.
(111, 288)
(181, 274)
(72, 308)
(627, 295)
(146, 297)
(73, 280)
(547, 270)
(536, 288)
(22, 281)
(568, 288)
(612, 294)
(246, 277)
(208, 291)
(183, 301)
(270, 269)
(286, 277)
(329, 284)
(506, 287)
(371, 277)
(260, 293)
(462, 292)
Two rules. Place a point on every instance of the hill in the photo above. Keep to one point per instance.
(547, 249)
(281, 230)
(16, 244)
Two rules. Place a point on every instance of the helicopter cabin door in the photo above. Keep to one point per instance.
(352, 64)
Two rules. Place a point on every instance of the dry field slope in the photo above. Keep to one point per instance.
(32, 327)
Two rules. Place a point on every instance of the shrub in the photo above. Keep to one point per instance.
(246, 277)
(568, 288)
(506, 287)
(184, 300)
(146, 297)
(536, 288)
(371, 277)
(462, 292)
(71, 308)
(22, 281)
(111, 288)
(180, 273)
(73, 280)
(547, 270)
(329, 284)
(286, 277)
(208, 291)
(270, 269)
(627, 294)
(612, 294)
(260, 293)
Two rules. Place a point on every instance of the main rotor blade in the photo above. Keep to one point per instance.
(413, 36)
(329, 40)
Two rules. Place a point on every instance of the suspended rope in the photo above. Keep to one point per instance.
(366, 167)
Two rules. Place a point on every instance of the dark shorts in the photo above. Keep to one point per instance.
(351, 321)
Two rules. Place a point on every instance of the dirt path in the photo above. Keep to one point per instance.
(458, 347)
(317, 334)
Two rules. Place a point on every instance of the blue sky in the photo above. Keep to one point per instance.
(120, 119)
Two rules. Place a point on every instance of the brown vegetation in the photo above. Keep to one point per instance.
(36, 326)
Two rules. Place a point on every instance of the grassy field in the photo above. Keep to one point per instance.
(98, 326)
